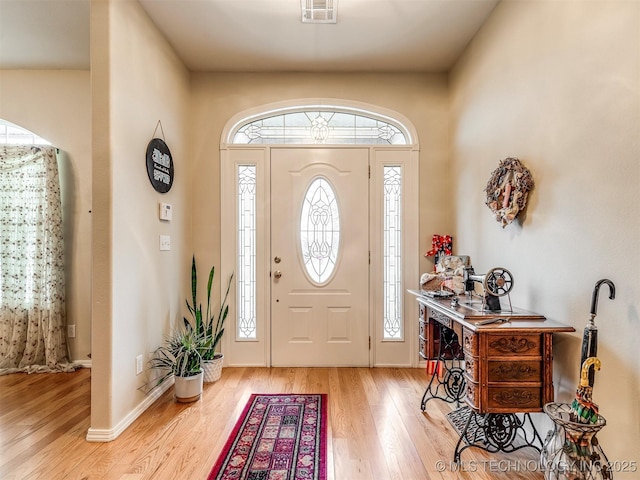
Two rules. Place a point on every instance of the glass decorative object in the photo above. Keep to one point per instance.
(571, 450)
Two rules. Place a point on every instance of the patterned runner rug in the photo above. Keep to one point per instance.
(277, 437)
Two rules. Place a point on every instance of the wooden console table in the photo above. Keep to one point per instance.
(499, 363)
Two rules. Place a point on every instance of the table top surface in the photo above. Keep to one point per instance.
(469, 313)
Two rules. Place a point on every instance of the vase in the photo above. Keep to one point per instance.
(571, 450)
(213, 368)
(188, 389)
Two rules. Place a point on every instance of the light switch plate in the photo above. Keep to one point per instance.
(165, 242)
(139, 365)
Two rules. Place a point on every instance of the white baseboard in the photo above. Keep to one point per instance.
(83, 363)
(109, 434)
(392, 365)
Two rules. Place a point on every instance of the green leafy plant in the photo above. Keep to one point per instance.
(196, 340)
(180, 356)
(208, 327)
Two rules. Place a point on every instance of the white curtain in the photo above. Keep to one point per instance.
(32, 309)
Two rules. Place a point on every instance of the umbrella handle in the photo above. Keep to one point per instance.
(584, 374)
(596, 291)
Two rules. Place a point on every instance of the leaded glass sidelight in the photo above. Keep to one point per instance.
(319, 230)
(246, 297)
(392, 252)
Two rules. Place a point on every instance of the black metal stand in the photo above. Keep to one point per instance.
(493, 432)
(447, 382)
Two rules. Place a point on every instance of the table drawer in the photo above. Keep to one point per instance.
(507, 371)
(514, 398)
(520, 345)
(473, 393)
(472, 368)
(422, 347)
(422, 329)
(470, 342)
(440, 317)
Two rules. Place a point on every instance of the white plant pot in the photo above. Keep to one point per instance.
(213, 368)
(188, 389)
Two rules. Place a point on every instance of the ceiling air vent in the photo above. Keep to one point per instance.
(319, 11)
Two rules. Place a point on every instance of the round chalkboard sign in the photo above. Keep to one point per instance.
(159, 165)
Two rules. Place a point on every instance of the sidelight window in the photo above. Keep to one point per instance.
(392, 252)
(246, 299)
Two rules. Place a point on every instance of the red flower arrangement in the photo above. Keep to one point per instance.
(440, 245)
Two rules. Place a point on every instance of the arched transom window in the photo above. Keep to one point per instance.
(313, 125)
(11, 134)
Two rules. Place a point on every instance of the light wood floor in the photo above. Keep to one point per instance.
(376, 429)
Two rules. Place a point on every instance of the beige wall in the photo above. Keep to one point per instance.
(557, 85)
(56, 105)
(422, 98)
(553, 83)
(139, 291)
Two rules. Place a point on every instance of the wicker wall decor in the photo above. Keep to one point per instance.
(507, 190)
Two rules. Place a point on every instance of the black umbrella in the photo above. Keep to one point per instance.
(590, 335)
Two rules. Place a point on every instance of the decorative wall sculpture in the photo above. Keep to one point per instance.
(507, 190)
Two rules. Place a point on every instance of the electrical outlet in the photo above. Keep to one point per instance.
(71, 331)
(138, 364)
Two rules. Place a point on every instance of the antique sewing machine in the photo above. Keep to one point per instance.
(496, 283)
(494, 364)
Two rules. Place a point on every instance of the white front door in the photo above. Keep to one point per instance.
(319, 257)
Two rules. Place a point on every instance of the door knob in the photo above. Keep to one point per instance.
(277, 274)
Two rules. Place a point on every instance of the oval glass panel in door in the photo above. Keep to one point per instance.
(320, 230)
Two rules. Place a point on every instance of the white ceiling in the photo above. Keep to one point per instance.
(257, 35)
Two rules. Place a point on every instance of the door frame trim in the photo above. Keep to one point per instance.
(258, 352)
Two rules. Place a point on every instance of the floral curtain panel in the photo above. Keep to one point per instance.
(32, 304)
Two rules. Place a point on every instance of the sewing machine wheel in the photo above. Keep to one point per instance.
(498, 281)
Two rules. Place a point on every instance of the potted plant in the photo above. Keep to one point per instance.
(181, 356)
(208, 327)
